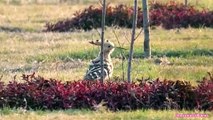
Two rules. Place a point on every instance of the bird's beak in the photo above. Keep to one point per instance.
(97, 42)
(120, 48)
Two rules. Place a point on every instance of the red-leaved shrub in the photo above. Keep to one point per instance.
(204, 94)
(169, 15)
(40, 93)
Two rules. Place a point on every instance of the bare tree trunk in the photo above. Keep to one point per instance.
(196, 2)
(134, 24)
(186, 2)
(147, 48)
(102, 39)
(8, 2)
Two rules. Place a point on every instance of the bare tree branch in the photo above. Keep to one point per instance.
(139, 34)
(1, 77)
(122, 53)
(100, 3)
(125, 36)
(98, 32)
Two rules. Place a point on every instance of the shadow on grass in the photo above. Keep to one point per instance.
(10, 29)
(91, 54)
(68, 56)
(179, 53)
(138, 53)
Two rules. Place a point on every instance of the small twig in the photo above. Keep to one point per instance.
(120, 46)
(96, 29)
(124, 33)
(14, 77)
(126, 38)
(210, 75)
(98, 32)
(138, 34)
(100, 2)
(1, 77)
(122, 53)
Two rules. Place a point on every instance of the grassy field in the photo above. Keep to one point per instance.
(199, 3)
(65, 56)
(8, 114)
(58, 55)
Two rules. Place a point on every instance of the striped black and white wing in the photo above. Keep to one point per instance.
(94, 71)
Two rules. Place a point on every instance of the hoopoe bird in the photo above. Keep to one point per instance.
(94, 71)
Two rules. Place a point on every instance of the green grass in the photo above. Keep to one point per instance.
(197, 3)
(31, 17)
(56, 55)
(8, 114)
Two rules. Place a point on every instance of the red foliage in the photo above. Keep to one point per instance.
(204, 94)
(41, 93)
(170, 15)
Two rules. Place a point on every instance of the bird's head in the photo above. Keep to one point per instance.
(108, 46)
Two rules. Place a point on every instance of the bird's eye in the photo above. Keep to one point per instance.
(107, 41)
(109, 46)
